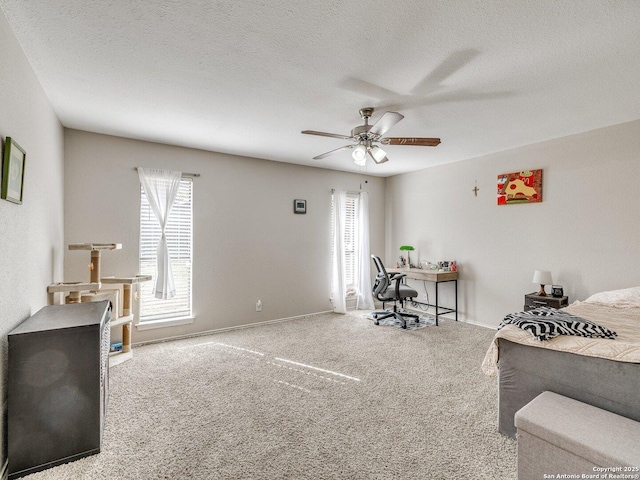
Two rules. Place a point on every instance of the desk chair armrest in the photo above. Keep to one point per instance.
(396, 277)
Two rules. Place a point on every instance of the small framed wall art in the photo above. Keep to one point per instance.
(299, 206)
(13, 171)
(520, 187)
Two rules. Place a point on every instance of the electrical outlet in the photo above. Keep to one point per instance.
(259, 306)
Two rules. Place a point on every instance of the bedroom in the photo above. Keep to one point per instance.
(585, 231)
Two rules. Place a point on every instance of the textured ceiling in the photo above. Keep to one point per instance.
(245, 77)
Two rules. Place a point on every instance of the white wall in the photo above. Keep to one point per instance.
(31, 234)
(586, 230)
(248, 243)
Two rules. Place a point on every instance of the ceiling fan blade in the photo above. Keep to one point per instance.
(382, 160)
(448, 67)
(388, 120)
(324, 155)
(421, 142)
(325, 134)
(363, 87)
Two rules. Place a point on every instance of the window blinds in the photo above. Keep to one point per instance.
(179, 235)
(351, 238)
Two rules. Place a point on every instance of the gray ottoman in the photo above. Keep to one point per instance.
(559, 435)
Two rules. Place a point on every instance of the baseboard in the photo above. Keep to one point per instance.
(280, 320)
(229, 329)
(478, 324)
(461, 320)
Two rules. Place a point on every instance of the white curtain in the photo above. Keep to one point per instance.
(365, 297)
(161, 188)
(338, 277)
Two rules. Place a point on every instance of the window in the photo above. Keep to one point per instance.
(351, 240)
(179, 239)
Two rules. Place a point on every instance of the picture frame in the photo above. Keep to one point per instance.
(299, 206)
(520, 187)
(13, 171)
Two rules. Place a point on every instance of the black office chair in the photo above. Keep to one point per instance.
(385, 290)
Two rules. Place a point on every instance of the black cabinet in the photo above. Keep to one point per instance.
(57, 386)
(532, 301)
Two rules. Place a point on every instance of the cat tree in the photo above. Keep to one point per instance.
(92, 291)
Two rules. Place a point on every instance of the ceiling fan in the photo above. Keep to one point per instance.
(366, 136)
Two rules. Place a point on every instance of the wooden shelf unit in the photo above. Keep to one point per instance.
(93, 291)
(126, 321)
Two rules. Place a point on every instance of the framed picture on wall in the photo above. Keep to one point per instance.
(13, 171)
(520, 187)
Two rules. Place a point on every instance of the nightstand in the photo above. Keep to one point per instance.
(531, 301)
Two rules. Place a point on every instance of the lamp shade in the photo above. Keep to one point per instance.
(542, 277)
(359, 155)
(377, 153)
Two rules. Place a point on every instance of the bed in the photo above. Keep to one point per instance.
(601, 372)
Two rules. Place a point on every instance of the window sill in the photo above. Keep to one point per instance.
(170, 322)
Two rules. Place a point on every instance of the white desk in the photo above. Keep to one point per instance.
(437, 278)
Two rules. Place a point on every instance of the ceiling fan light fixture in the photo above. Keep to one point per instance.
(377, 153)
(366, 135)
(359, 155)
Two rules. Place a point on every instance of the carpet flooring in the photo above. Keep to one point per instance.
(324, 397)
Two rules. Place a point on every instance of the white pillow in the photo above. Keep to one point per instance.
(625, 296)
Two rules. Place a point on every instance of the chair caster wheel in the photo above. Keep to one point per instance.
(376, 322)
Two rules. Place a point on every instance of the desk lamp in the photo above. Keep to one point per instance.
(542, 278)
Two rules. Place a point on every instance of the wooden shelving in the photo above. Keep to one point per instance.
(79, 292)
(116, 358)
(126, 320)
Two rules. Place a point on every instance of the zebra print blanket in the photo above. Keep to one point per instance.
(545, 323)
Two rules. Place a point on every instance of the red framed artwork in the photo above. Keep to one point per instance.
(520, 187)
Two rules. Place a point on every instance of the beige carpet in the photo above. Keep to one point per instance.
(326, 397)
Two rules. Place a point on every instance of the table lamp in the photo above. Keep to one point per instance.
(542, 278)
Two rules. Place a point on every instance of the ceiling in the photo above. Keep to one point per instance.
(245, 77)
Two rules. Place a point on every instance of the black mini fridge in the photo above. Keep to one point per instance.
(58, 386)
